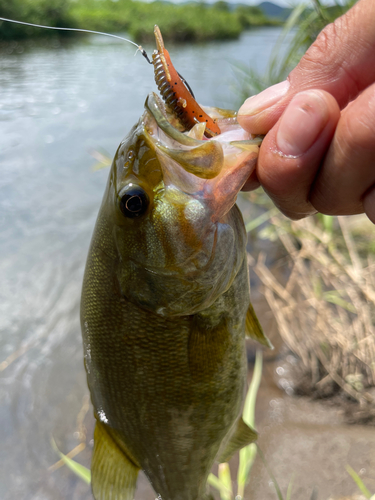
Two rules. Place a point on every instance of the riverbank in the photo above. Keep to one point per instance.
(182, 23)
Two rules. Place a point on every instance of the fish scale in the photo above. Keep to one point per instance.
(164, 311)
(162, 347)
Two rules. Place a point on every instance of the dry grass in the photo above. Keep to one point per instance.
(324, 302)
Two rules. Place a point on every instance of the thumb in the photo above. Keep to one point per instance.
(341, 61)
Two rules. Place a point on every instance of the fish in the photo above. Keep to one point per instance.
(165, 306)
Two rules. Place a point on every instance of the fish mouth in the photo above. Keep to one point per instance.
(231, 132)
(213, 169)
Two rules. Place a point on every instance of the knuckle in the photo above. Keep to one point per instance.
(358, 129)
(323, 48)
(329, 59)
(347, 171)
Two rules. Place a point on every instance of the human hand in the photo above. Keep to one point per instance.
(319, 151)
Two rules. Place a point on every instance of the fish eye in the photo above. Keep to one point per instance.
(133, 201)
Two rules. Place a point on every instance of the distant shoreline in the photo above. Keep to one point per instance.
(188, 22)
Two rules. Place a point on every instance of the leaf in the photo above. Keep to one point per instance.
(226, 480)
(104, 161)
(327, 223)
(219, 485)
(289, 490)
(253, 224)
(249, 408)
(358, 481)
(333, 296)
(78, 469)
(248, 454)
(247, 457)
(275, 483)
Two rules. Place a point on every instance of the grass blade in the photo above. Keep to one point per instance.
(249, 408)
(217, 484)
(333, 296)
(253, 224)
(226, 480)
(275, 483)
(358, 481)
(289, 490)
(248, 454)
(78, 469)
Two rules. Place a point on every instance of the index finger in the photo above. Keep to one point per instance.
(341, 61)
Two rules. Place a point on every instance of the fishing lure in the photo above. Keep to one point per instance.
(173, 88)
(176, 93)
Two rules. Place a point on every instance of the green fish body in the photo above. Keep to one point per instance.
(165, 304)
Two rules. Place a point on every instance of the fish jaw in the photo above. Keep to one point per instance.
(213, 170)
(187, 248)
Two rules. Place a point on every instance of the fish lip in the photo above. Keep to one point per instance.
(213, 169)
(156, 109)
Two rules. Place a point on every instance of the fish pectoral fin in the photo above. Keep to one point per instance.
(241, 436)
(113, 474)
(253, 328)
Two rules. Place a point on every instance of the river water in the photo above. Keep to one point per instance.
(58, 102)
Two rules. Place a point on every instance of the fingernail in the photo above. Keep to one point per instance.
(257, 103)
(301, 123)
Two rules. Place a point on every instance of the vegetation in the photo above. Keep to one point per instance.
(223, 482)
(324, 300)
(47, 12)
(249, 16)
(300, 30)
(188, 22)
(361, 485)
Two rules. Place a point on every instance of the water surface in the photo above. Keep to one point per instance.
(57, 103)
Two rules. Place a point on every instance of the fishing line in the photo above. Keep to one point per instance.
(139, 47)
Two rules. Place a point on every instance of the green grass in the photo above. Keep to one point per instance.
(184, 23)
(301, 29)
(223, 482)
(358, 481)
(79, 470)
(48, 12)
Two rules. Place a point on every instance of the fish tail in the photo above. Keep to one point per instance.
(113, 474)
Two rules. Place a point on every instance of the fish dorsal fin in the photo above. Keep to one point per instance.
(253, 328)
(241, 436)
(113, 474)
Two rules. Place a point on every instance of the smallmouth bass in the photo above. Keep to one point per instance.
(165, 306)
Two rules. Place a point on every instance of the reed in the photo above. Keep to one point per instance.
(324, 300)
(299, 32)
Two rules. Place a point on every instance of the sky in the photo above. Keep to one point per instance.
(282, 3)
